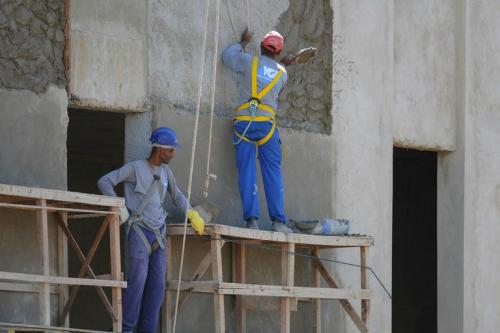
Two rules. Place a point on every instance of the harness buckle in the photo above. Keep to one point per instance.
(253, 104)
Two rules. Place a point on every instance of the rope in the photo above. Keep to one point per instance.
(191, 166)
(208, 175)
(231, 19)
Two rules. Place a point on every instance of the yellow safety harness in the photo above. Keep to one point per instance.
(254, 103)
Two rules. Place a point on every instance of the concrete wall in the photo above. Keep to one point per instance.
(482, 165)
(32, 44)
(33, 138)
(362, 109)
(108, 54)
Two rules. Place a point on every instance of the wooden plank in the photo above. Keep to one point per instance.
(230, 288)
(52, 208)
(167, 318)
(85, 268)
(43, 328)
(219, 313)
(287, 279)
(39, 193)
(279, 237)
(346, 305)
(316, 283)
(62, 258)
(114, 248)
(365, 304)
(43, 242)
(33, 278)
(86, 216)
(25, 287)
(239, 266)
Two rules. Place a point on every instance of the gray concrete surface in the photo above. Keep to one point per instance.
(424, 74)
(32, 44)
(362, 132)
(33, 138)
(108, 54)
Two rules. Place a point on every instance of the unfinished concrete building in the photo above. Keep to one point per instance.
(395, 125)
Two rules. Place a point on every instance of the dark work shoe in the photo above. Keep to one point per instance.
(281, 227)
(252, 224)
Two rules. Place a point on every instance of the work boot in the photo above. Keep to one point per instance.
(252, 224)
(281, 227)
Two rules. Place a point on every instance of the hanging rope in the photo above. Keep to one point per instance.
(208, 175)
(191, 166)
(231, 20)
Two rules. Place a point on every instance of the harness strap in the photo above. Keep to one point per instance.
(257, 96)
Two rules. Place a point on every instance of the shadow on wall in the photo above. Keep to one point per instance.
(306, 101)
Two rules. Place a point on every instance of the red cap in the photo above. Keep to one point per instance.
(273, 41)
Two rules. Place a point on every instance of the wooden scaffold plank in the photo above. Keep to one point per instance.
(43, 242)
(287, 279)
(316, 283)
(219, 314)
(116, 270)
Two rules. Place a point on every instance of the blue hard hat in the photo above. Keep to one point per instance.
(164, 136)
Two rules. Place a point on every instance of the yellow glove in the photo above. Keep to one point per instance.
(196, 220)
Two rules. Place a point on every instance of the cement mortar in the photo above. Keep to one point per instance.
(306, 102)
(32, 44)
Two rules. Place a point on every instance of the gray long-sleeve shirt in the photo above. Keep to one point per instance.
(241, 62)
(137, 177)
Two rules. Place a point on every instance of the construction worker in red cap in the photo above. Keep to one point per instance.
(263, 79)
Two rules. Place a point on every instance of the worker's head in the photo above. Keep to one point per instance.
(164, 142)
(271, 44)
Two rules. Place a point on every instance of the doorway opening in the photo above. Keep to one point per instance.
(95, 146)
(414, 249)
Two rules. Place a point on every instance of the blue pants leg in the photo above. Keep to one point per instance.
(139, 305)
(153, 291)
(270, 165)
(246, 153)
(270, 162)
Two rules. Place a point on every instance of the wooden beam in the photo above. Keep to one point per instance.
(43, 242)
(279, 237)
(229, 288)
(114, 248)
(62, 258)
(239, 276)
(219, 313)
(316, 283)
(85, 268)
(287, 280)
(43, 328)
(39, 193)
(365, 304)
(346, 305)
(33, 278)
(52, 208)
(25, 287)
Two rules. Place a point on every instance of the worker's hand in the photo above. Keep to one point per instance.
(196, 220)
(124, 215)
(246, 37)
(288, 60)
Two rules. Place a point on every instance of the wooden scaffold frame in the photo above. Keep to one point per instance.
(65, 206)
(219, 235)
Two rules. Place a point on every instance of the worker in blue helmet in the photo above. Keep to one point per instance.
(146, 183)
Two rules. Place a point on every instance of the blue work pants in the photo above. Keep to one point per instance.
(143, 296)
(270, 165)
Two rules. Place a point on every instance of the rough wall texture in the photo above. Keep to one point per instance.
(32, 44)
(306, 102)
